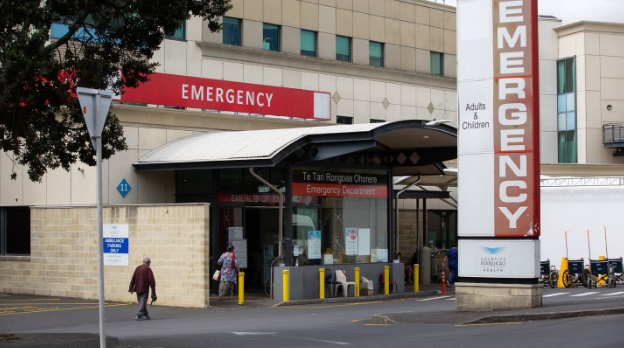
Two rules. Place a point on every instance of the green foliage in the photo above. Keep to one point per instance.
(41, 125)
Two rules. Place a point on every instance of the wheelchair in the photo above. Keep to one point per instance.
(548, 274)
(615, 272)
(599, 272)
(575, 274)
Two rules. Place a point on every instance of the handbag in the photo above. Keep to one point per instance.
(217, 275)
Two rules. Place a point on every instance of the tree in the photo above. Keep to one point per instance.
(108, 44)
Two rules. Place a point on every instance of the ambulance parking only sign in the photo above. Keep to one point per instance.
(115, 245)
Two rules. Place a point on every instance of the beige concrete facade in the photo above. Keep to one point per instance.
(357, 89)
(404, 89)
(64, 254)
(598, 49)
(472, 297)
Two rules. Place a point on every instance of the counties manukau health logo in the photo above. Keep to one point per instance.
(493, 263)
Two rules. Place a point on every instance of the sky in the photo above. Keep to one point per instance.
(575, 10)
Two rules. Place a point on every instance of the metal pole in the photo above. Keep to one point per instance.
(98, 150)
(280, 226)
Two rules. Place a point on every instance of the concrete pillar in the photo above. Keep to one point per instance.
(425, 265)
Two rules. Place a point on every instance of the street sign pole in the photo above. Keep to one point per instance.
(97, 140)
(95, 105)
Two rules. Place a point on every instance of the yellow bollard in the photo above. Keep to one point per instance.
(285, 285)
(386, 280)
(416, 280)
(321, 283)
(241, 288)
(563, 268)
(357, 281)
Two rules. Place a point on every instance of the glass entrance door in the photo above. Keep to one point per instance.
(261, 231)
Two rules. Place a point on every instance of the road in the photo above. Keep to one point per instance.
(430, 322)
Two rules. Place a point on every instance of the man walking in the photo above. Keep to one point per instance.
(451, 259)
(142, 280)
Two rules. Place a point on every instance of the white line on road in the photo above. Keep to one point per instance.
(238, 333)
(585, 294)
(614, 293)
(556, 294)
(433, 298)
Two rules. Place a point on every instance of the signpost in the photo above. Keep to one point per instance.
(95, 104)
(498, 153)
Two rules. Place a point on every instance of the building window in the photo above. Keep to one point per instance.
(180, 33)
(15, 231)
(231, 31)
(344, 120)
(58, 30)
(335, 227)
(566, 110)
(375, 53)
(308, 43)
(271, 37)
(375, 120)
(437, 63)
(343, 48)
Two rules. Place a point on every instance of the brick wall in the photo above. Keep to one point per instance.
(407, 233)
(64, 254)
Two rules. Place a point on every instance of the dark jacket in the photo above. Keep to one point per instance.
(142, 280)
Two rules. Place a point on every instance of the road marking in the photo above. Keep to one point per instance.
(28, 301)
(56, 309)
(488, 324)
(556, 294)
(316, 340)
(433, 298)
(585, 294)
(614, 293)
(243, 333)
(451, 299)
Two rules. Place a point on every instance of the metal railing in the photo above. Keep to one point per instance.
(613, 134)
(583, 181)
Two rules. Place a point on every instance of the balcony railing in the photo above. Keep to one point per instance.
(613, 137)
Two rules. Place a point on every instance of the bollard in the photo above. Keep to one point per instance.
(386, 276)
(442, 274)
(416, 270)
(562, 269)
(285, 285)
(241, 288)
(357, 281)
(321, 283)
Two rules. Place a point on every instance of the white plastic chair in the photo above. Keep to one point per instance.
(341, 277)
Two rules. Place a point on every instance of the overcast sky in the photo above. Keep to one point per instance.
(576, 10)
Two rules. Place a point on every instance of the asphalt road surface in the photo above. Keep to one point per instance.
(428, 322)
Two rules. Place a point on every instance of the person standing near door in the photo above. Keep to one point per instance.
(229, 272)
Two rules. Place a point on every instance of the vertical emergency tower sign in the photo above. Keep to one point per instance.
(498, 151)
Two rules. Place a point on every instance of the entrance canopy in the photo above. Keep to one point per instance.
(409, 147)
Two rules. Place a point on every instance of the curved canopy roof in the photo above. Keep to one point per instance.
(416, 146)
